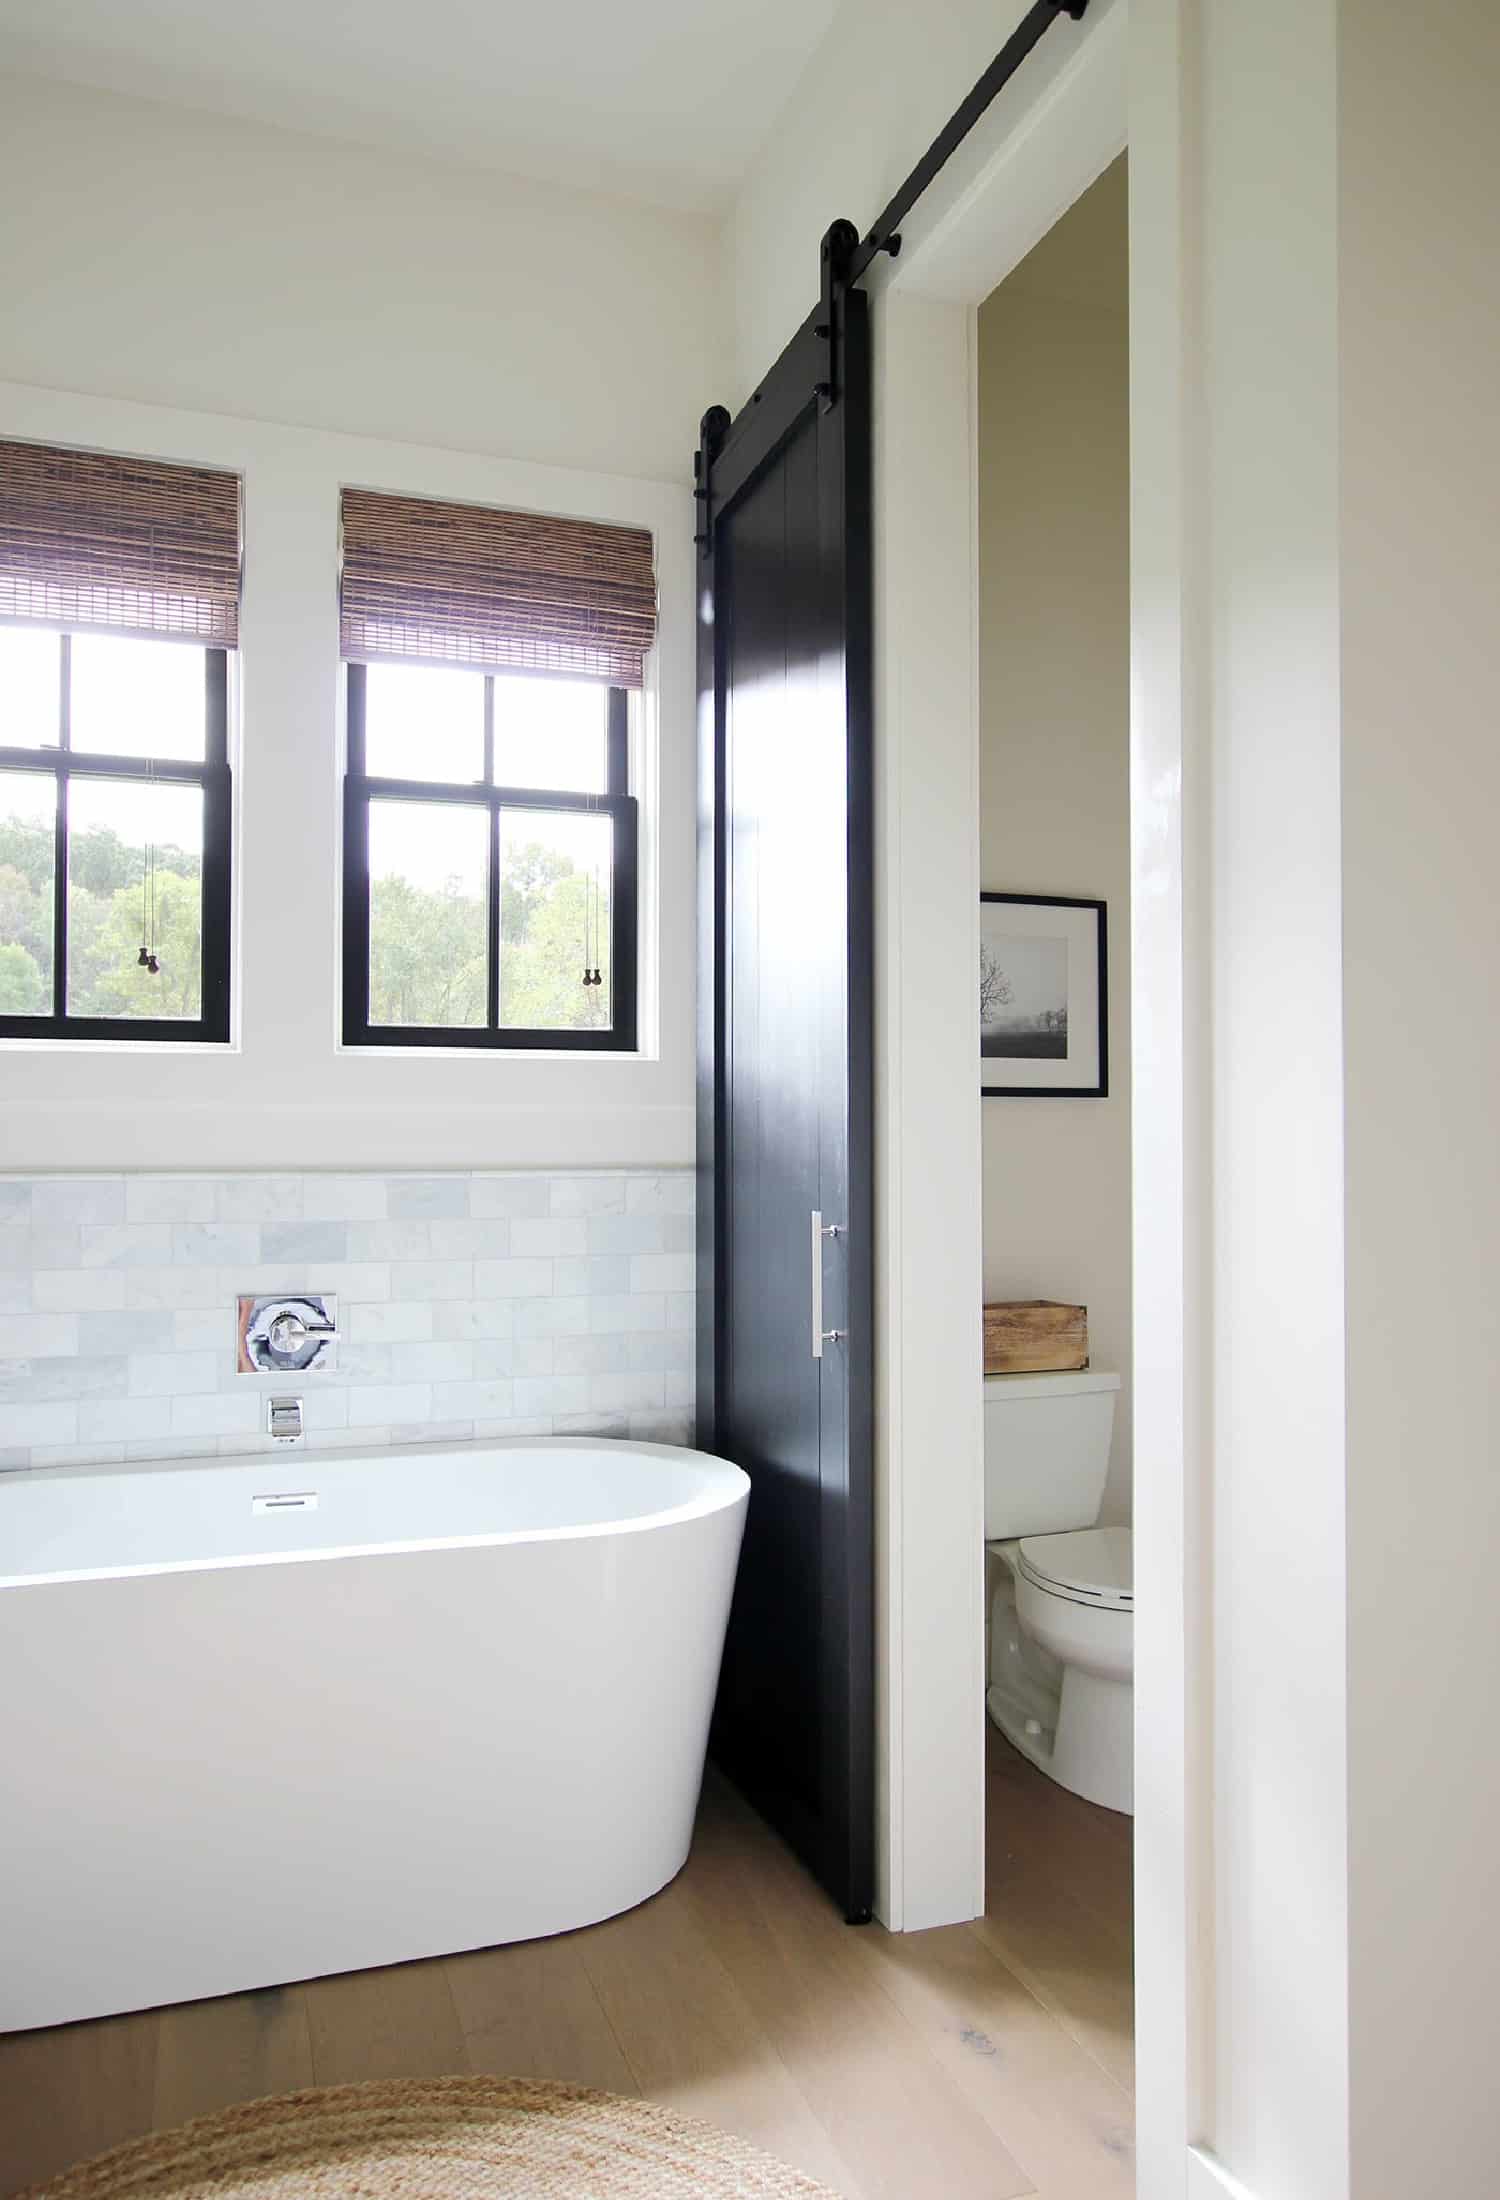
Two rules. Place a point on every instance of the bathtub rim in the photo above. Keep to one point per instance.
(727, 1487)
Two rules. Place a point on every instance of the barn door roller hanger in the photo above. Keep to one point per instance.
(845, 255)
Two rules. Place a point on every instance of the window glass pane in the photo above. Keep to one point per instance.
(551, 733)
(429, 913)
(30, 687)
(135, 881)
(555, 868)
(424, 722)
(129, 697)
(28, 826)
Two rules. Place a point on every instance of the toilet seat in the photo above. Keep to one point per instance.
(1085, 1565)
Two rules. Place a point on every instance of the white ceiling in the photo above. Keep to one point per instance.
(662, 100)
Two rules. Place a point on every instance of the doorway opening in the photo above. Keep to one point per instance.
(1053, 531)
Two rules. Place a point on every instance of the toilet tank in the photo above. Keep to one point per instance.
(1046, 1451)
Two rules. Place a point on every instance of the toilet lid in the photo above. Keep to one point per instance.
(1091, 1565)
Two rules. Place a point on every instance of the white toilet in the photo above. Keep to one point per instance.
(1061, 1614)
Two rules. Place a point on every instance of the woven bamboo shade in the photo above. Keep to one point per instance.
(514, 591)
(93, 540)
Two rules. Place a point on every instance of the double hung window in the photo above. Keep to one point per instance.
(490, 823)
(119, 582)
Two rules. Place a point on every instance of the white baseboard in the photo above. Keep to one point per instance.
(1208, 2179)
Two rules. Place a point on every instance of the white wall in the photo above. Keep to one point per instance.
(1419, 298)
(152, 253)
(882, 84)
(1054, 673)
(286, 1095)
(310, 313)
(1241, 1709)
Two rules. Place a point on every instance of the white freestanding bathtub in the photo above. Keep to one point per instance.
(308, 1714)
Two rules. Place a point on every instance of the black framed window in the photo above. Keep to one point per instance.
(490, 861)
(115, 836)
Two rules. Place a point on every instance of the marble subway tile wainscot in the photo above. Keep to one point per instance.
(344, 1199)
(124, 1420)
(389, 1241)
(647, 1233)
(376, 1402)
(552, 1394)
(78, 1199)
(470, 1306)
(309, 1244)
(473, 1401)
(132, 1331)
(556, 1317)
(433, 1279)
(171, 1199)
(39, 1424)
(39, 1336)
(588, 1278)
(78, 1290)
(672, 1194)
(634, 1393)
(510, 1196)
(255, 1199)
(126, 1244)
(197, 1244)
(237, 1413)
(424, 1197)
(472, 1240)
(403, 1321)
(174, 1374)
(205, 1329)
(549, 1239)
(588, 1195)
(54, 1380)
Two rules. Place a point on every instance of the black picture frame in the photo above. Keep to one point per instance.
(1087, 920)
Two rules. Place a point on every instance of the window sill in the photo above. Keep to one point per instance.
(86, 1047)
(496, 1054)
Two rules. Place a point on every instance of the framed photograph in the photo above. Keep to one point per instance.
(1043, 1003)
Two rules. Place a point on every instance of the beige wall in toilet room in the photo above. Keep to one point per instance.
(1419, 324)
(1054, 658)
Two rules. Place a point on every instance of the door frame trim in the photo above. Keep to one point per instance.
(1050, 133)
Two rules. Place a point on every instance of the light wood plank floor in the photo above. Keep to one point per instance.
(978, 2062)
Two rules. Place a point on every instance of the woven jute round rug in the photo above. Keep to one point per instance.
(437, 2139)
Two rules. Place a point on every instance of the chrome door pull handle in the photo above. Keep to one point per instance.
(820, 1335)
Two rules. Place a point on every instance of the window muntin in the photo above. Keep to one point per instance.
(116, 848)
(557, 887)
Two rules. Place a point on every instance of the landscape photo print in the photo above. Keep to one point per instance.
(1042, 996)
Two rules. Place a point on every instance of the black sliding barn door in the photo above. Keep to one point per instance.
(785, 1075)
